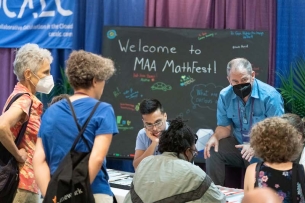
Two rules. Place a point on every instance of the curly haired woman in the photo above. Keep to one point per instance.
(277, 143)
(87, 73)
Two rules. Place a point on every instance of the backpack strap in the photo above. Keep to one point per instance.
(301, 177)
(73, 112)
(257, 168)
(24, 125)
(294, 182)
(82, 130)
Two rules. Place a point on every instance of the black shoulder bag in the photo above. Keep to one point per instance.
(70, 183)
(9, 170)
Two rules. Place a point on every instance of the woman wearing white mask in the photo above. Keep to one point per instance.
(32, 68)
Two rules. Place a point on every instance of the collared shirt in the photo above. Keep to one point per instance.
(28, 142)
(265, 101)
(143, 141)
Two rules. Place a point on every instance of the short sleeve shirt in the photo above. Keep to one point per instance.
(265, 101)
(143, 142)
(59, 134)
(26, 174)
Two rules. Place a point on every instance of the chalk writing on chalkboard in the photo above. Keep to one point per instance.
(247, 34)
(205, 96)
(185, 69)
(123, 124)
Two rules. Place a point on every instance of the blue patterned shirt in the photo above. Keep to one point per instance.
(265, 101)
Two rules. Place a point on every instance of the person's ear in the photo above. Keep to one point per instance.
(165, 115)
(229, 79)
(27, 74)
(186, 155)
(253, 75)
(94, 82)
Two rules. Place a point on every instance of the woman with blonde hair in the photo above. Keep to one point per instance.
(277, 143)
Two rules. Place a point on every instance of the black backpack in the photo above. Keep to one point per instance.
(9, 170)
(70, 183)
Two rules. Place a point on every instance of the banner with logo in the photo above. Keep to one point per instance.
(48, 23)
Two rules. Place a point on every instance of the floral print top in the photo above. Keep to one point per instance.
(280, 181)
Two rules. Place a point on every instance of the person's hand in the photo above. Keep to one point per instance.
(23, 155)
(213, 142)
(153, 138)
(246, 151)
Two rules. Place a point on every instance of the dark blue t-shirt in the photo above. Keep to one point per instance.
(58, 132)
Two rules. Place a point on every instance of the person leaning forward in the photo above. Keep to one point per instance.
(243, 103)
(171, 176)
(154, 120)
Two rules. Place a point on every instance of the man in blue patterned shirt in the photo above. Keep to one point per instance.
(243, 103)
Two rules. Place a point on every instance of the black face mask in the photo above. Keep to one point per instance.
(242, 90)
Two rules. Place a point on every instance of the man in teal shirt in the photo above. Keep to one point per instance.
(243, 103)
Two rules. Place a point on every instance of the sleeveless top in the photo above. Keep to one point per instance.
(280, 181)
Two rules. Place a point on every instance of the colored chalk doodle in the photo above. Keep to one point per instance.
(181, 114)
(161, 86)
(116, 92)
(248, 34)
(145, 77)
(131, 93)
(123, 124)
(126, 106)
(111, 34)
(205, 96)
(205, 35)
(186, 80)
(137, 107)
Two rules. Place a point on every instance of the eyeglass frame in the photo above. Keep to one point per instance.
(151, 126)
(195, 154)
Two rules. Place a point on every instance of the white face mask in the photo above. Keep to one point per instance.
(45, 85)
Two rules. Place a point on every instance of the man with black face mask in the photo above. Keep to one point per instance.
(243, 103)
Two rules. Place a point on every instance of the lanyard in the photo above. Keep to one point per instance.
(251, 115)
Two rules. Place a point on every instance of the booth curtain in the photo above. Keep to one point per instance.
(89, 19)
(290, 34)
(217, 14)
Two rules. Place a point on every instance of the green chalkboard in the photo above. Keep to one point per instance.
(183, 68)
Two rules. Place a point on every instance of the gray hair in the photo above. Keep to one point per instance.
(30, 56)
(238, 64)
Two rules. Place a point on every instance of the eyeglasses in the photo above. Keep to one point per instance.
(158, 124)
(196, 138)
(195, 152)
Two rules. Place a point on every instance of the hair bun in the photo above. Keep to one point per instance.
(177, 123)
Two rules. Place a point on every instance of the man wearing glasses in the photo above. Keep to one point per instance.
(154, 120)
(243, 103)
